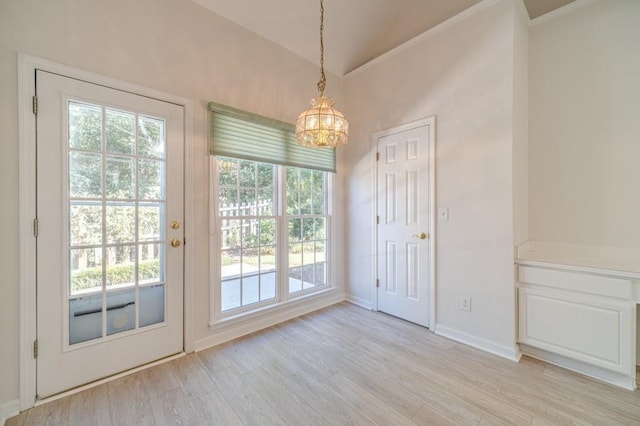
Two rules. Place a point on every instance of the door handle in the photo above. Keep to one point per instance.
(175, 242)
(421, 236)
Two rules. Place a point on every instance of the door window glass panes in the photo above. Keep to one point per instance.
(121, 311)
(85, 126)
(85, 175)
(151, 305)
(150, 269)
(120, 177)
(121, 222)
(85, 219)
(116, 217)
(151, 179)
(149, 220)
(85, 318)
(85, 267)
(150, 137)
(120, 131)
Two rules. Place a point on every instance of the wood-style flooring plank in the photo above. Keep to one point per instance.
(172, 408)
(91, 407)
(375, 409)
(344, 365)
(158, 380)
(213, 359)
(55, 413)
(334, 408)
(250, 407)
(289, 406)
(192, 376)
(213, 409)
(240, 355)
(129, 402)
(19, 420)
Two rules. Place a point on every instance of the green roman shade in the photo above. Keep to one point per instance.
(240, 134)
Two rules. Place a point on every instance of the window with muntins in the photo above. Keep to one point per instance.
(306, 218)
(273, 233)
(270, 213)
(248, 232)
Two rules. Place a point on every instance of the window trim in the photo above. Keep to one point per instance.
(283, 300)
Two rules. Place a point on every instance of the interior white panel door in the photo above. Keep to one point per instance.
(109, 244)
(403, 224)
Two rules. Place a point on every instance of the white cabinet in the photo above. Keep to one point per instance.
(579, 319)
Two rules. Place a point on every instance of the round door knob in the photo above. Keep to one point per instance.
(175, 242)
(421, 235)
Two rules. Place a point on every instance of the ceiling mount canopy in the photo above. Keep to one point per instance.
(322, 125)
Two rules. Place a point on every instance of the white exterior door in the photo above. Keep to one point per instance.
(403, 215)
(109, 244)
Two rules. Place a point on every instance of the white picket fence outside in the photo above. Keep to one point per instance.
(263, 208)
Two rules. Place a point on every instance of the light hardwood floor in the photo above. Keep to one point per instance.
(344, 365)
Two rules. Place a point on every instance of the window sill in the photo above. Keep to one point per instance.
(298, 302)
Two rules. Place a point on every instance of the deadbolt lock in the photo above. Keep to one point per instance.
(175, 224)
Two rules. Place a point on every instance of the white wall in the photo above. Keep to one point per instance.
(584, 137)
(464, 74)
(174, 46)
(520, 124)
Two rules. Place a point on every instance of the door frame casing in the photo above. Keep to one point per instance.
(430, 123)
(27, 66)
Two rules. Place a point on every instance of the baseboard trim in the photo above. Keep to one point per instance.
(510, 353)
(238, 329)
(598, 373)
(9, 409)
(358, 301)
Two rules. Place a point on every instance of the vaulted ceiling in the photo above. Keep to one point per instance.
(356, 31)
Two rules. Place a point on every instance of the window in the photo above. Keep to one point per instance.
(307, 228)
(272, 240)
(246, 207)
(270, 233)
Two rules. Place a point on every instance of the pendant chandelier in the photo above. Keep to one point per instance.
(322, 125)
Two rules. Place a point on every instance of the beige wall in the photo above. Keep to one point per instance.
(174, 46)
(463, 74)
(520, 125)
(584, 137)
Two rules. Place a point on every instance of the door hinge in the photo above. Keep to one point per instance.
(35, 227)
(377, 220)
(377, 282)
(377, 156)
(34, 104)
(35, 348)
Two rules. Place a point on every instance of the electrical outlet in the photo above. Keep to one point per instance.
(465, 303)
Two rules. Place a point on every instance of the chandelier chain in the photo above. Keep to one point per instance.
(323, 80)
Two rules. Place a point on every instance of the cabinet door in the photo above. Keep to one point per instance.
(592, 329)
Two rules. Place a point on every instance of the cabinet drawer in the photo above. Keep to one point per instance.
(587, 328)
(576, 281)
